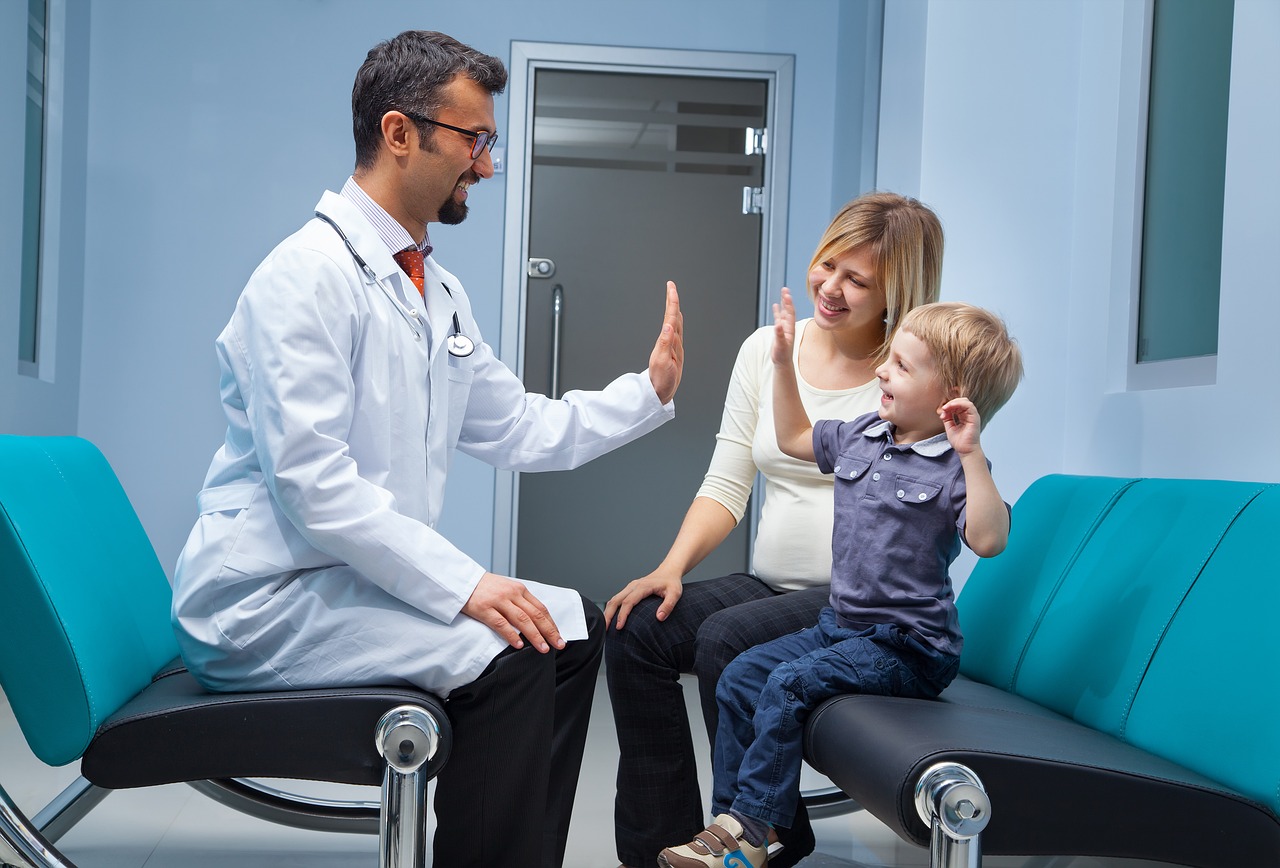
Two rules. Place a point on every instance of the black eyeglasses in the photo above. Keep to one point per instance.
(483, 138)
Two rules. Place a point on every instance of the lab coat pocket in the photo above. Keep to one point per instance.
(913, 491)
(262, 589)
(223, 514)
(249, 508)
(460, 379)
(226, 498)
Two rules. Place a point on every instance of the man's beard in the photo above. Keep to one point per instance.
(452, 213)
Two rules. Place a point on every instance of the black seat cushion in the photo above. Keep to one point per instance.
(1056, 787)
(175, 731)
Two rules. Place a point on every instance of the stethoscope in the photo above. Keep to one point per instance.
(459, 344)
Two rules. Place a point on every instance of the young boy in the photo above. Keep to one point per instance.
(910, 482)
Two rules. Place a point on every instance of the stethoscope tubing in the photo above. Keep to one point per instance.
(459, 345)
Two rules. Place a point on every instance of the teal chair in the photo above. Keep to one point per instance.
(1117, 695)
(90, 666)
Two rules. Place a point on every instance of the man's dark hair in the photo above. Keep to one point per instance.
(407, 73)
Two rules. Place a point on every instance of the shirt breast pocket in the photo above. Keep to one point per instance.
(914, 491)
(850, 467)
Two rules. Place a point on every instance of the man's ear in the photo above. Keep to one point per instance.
(398, 133)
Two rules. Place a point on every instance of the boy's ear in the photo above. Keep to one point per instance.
(949, 394)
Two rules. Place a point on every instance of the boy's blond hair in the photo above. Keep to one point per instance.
(972, 351)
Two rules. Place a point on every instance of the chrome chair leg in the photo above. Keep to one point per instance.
(25, 839)
(68, 808)
(407, 736)
(952, 801)
(256, 799)
(825, 802)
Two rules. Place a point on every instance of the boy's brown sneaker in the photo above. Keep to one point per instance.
(720, 845)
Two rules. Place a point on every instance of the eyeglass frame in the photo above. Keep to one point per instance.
(483, 138)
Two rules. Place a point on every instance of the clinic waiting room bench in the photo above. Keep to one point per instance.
(89, 665)
(1119, 692)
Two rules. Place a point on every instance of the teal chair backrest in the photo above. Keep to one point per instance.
(85, 601)
(1126, 606)
(1098, 634)
(1210, 699)
(1005, 599)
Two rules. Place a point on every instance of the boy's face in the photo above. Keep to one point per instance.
(911, 390)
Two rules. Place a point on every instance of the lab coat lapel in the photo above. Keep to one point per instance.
(363, 237)
(440, 305)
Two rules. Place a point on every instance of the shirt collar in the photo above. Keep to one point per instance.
(395, 236)
(931, 448)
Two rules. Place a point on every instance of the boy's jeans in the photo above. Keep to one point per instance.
(767, 693)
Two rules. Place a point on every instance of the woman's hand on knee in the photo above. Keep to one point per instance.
(657, 584)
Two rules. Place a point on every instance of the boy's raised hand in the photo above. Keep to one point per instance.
(962, 423)
(784, 329)
(986, 527)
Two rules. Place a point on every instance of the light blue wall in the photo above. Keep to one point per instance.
(13, 85)
(211, 129)
(1018, 123)
(46, 404)
(214, 127)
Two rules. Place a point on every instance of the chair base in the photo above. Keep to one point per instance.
(828, 802)
(411, 743)
(256, 799)
(25, 839)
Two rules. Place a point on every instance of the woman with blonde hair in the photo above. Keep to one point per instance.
(880, 257)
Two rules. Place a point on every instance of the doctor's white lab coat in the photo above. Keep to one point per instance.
(314, 560)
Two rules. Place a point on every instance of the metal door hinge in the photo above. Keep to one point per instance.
(757, 141)
(753, 200)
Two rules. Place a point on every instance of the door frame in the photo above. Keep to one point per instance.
(529, 57)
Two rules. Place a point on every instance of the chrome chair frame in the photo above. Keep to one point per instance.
(83, 665)
(408, 737)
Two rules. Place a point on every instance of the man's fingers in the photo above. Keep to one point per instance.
(536, 623)
(504, 628)
(666, 362)
(510, 610)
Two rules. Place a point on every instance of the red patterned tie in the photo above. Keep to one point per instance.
(410, 259)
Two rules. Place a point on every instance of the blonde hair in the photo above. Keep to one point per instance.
(972, 351)
(905, 239)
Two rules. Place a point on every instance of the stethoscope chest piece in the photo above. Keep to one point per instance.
(460, 346)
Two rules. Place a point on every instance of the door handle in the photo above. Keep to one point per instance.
(557, 313)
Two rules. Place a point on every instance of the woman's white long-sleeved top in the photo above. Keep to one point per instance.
(314, 560)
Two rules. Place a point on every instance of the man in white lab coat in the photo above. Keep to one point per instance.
(352, 368)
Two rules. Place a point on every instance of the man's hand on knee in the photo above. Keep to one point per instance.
(512, 611)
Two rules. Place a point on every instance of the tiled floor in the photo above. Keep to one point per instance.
(176, 827)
